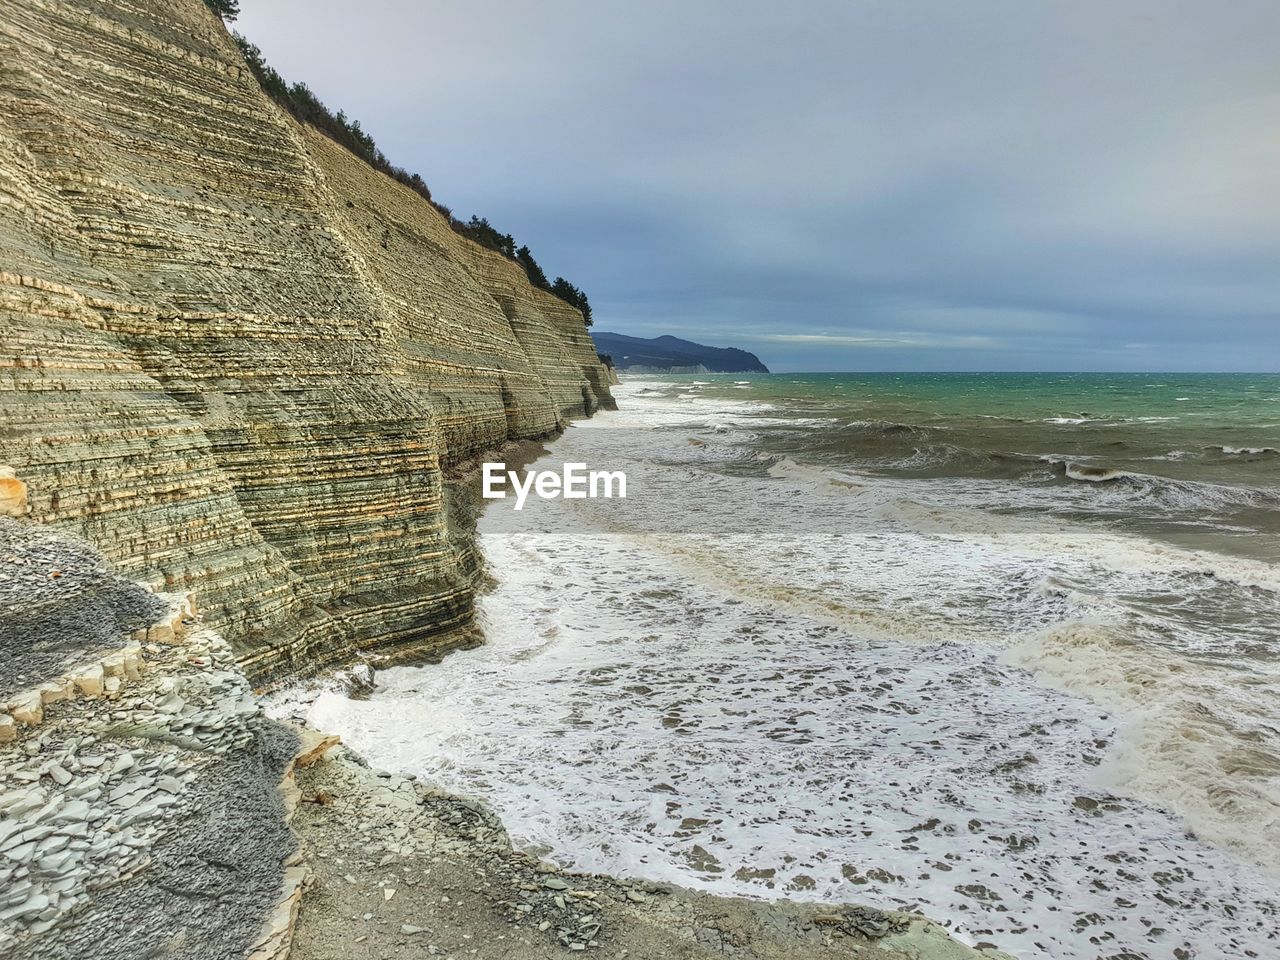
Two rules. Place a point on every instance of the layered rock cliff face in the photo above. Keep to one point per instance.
(236, 358)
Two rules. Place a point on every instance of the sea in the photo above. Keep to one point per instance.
(1003, 649)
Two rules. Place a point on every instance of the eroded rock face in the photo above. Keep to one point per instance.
(233, 356)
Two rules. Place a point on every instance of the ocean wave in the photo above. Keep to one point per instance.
(1179, 494)
(1247, 451)
(967, 459)
(816, 478)
(1097, 421)
(889, 428)
(1194, 739)
(1081, 471)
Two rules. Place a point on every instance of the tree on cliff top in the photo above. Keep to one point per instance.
(228, 10)
(531, 268)
(570, 294)
(482, 232)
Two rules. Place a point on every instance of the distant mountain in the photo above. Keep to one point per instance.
(673, 355)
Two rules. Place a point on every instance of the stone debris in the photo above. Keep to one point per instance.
(92, 777)
(105, 676)
(458, 882)
(314, 745)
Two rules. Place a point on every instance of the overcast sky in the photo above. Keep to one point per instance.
(843, 185)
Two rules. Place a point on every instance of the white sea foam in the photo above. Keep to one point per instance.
(631, 718)
(1193, 740)
(815, 478)
(752, 678)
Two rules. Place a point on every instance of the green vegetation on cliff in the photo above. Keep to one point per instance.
(228, 10)
(567, 292)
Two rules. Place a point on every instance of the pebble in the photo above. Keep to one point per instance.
(169, 784)
(171, 704)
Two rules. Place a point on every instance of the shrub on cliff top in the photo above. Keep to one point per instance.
(534, 272)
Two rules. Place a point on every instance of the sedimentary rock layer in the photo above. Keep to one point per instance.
(236, 358)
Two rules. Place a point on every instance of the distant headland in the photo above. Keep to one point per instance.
(673, 355)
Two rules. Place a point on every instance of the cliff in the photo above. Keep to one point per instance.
(237, 359)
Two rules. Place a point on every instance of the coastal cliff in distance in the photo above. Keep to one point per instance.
(236, 358)
(673, 355)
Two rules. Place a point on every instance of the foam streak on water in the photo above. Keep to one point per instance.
(768, 677)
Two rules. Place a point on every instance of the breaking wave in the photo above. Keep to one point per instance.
(1185, 495)
(1249, 451)
(1193, 740)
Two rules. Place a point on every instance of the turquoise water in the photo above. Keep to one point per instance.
(1183, 456)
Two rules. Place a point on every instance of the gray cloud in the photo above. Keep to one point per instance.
(982, 185)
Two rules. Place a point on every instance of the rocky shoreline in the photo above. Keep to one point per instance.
(149, 807)
(399, 868)
(140, 804)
